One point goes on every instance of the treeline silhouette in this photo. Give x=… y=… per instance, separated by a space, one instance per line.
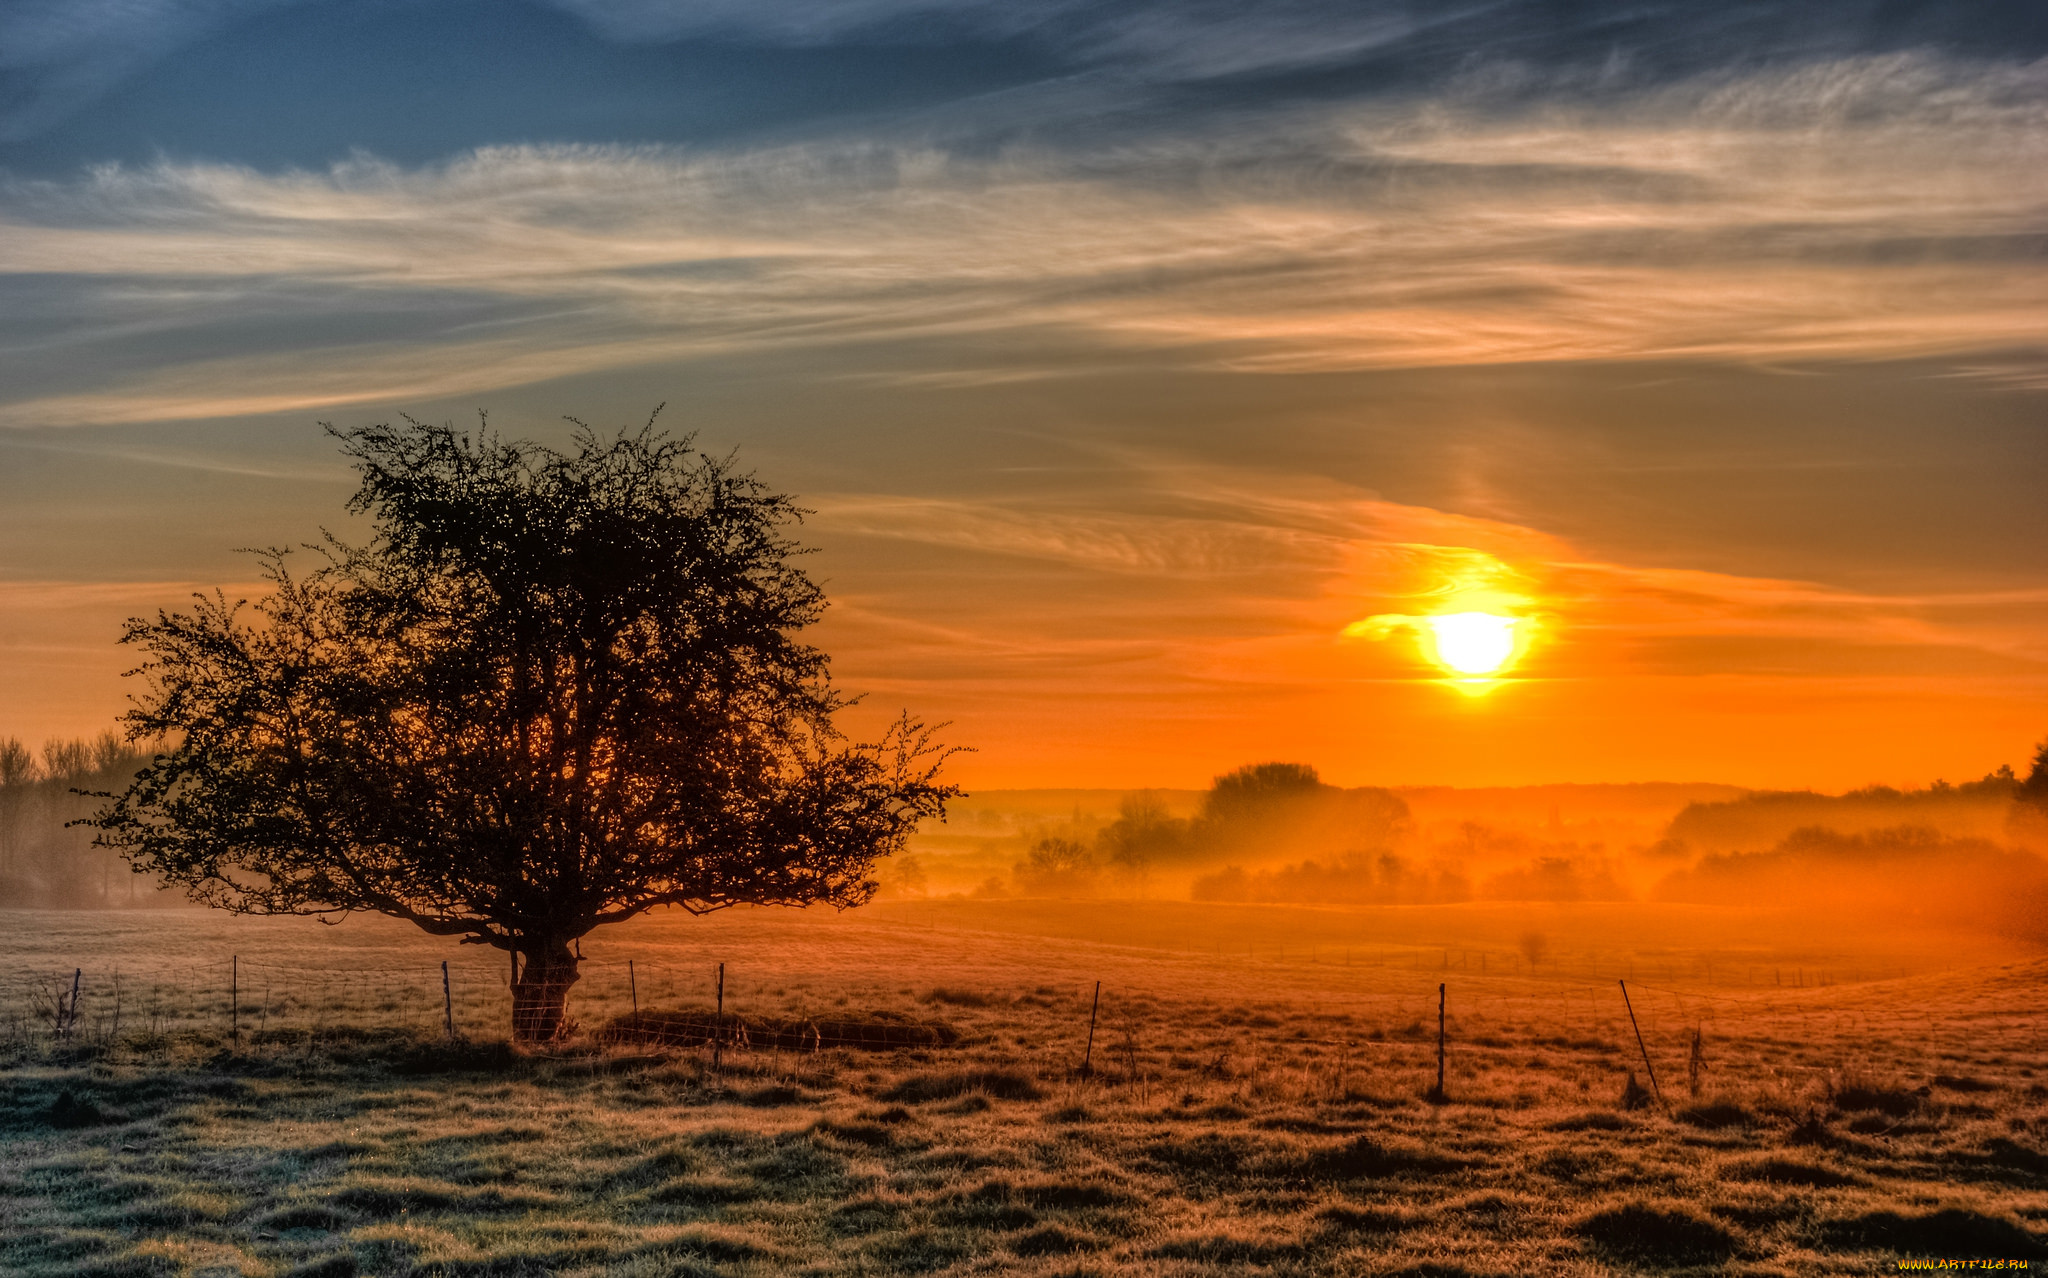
x=46 y=862
x=1982 y=809
x=1273 y=833
x=1902 y=877
x=1253 y=813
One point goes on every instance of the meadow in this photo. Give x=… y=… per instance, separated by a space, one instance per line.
x=1257 y=1097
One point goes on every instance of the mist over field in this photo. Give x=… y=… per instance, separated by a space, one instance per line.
x=1970 y=856
x=1960 y=856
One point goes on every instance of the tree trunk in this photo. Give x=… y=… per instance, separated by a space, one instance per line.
x=541 y=992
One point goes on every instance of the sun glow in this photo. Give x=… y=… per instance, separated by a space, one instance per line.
x=1472 y=644
x=1479 y=616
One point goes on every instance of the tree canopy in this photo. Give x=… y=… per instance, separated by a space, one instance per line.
x=2034 y=789
x=553 y=690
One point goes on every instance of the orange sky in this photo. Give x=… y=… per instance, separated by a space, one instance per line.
x=1146 y=390
x=1184 y=648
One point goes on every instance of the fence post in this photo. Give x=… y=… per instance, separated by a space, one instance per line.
x=718 y=1023
x=1440 y=999
x=633 y=984
x=447 y=1000
x=1640 y=1046
x=1088 y=1057
x=71 y=1019
x=234 y=998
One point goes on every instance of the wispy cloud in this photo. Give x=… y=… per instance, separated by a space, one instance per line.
x=58 y=55
x=1212 y=575
x=1875 y=208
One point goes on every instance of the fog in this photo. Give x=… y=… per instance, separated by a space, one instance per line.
x=46 y=859
x=1951 y=856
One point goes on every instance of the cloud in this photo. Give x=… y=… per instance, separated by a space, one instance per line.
x=1287 y=580
x=58 y=55
x=1873 y=209
x=61 y=55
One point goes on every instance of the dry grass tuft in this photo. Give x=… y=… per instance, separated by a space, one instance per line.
x=1788 y=1171
x=1001 y=1084
x=960 y=998
x=1365 y=1158
x=1657 y=1234
x=1948 y=1232
x=877 y=1032
x=1853 y=1091
x=1715 y=1115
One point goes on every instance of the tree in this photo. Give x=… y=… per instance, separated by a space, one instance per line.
x=552 y=691
x=1258 y=789
x=1055 y=867
x=1141 y=834
x=17 y=775
x=2034 y=789
x=1263 y=809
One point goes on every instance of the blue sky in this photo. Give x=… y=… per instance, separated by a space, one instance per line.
x=1119 y=348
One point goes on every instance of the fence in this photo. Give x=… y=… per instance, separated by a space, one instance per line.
x=1423 y=1012
x=246 y=1001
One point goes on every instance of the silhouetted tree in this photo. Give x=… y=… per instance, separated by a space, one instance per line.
x=2034 y=789
x=44 y=861
x=1142 y=834
x=554 y=690
x=1258 y=789
x=1266 y=809
x=1056 y=867
x=17 y=775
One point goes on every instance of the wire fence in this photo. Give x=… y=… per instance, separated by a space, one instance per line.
x=252 y=1004
x=253 y=1001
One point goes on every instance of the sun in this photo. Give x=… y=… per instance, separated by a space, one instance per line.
x=1473 y=644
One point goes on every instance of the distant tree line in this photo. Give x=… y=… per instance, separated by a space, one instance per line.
x=2000 y=805
x=1903 y=876
x=1273 y=833
x=46 y=862
x=1258 y=811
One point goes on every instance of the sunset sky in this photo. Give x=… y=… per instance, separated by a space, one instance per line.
x=1152 y=368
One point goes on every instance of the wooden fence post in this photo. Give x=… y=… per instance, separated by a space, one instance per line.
x=1088 y=1057
x=718 y=1023
x=633 y=984
x=1640 y=1046
x=1440 y=996
x=235 y=998
x=447 y=1001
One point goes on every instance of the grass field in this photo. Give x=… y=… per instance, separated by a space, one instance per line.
x=1258 y=1099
